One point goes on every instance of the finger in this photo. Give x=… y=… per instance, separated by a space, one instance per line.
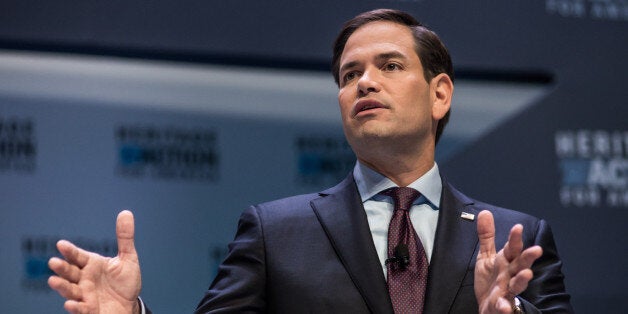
x=73 y=254
x=519 y=282
x=513 y=247
x=125 y=231
x=75 y=307
x=525 y=260
x=503 y=306
x=65 y=288
x=486 y=233
x=65 y=270
x=530 y=255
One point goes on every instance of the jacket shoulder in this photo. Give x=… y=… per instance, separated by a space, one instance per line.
x=299 y=203
x=500 y=214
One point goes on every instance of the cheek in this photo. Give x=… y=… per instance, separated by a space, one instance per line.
x=344 y=103
x=418 y=98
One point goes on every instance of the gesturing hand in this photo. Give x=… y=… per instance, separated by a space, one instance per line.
x=92 y=283
x=500 y=276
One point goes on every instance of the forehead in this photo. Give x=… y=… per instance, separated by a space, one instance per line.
x=379 y=37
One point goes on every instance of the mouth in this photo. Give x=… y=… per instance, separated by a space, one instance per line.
x=367 y=105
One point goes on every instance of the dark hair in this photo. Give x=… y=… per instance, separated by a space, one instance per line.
x=433 y=54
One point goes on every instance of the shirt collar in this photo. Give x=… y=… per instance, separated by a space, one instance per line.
x=371 y=182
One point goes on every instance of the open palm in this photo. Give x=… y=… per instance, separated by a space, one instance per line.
x=501 y=276
x=92 y=283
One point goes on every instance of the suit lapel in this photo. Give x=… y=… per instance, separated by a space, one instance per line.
x=454 y=248
x=342 y=216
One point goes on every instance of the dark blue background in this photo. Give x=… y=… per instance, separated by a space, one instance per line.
x=515 y=165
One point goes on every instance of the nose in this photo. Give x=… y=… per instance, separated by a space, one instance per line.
x=368 y=83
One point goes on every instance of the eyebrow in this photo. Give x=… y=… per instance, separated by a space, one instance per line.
x=390 y=55
x=379 y=57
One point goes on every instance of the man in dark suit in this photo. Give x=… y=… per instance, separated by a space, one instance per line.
x=328 y=252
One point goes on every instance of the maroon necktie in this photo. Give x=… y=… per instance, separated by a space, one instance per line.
x=407 y=279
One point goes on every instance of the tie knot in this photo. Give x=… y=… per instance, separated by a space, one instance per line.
x=402 y=196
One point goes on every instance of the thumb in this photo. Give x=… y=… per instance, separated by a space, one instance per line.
x=125 y=232
x=486 y=233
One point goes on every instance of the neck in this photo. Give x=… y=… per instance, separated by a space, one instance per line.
x=402 y=159
x=402 y=171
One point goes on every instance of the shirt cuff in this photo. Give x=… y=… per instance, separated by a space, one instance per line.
x=516 y=309
x=142 y=307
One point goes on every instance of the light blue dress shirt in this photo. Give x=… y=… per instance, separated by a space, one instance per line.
x=379 y=208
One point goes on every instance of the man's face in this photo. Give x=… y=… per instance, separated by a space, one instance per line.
x=383 y=93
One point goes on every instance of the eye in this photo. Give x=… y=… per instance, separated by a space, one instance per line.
x=349 y=76
x=392 y=67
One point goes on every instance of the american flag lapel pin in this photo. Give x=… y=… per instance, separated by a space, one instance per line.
x=467 y=216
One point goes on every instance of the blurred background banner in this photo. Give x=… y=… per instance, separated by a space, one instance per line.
x=164 y=107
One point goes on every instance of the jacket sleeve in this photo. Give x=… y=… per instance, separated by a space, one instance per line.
x=239 y=286
x=546 y=291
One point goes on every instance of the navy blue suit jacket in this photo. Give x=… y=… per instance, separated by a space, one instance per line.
x=315 y=254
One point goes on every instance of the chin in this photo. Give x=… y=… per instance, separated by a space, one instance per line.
x=376 y=130
x=371 y=136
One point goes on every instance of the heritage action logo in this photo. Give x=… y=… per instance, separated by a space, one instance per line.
x=17 y=144
x=37 y=250
x=594 y=167
x=323 y=160
x=610 y=10
x=167 y=153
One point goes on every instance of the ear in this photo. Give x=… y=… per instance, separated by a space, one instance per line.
x=441 y=92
